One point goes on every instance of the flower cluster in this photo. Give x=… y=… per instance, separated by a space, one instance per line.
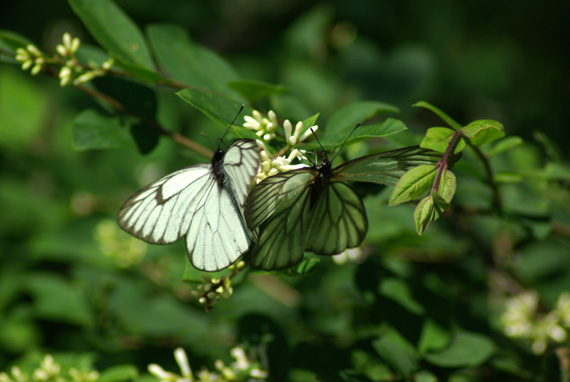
x=266 y=129
x=215 y=288
x=31 y=57
x=125 y=250
x=71 y=71
x=49 y=371
x=523 y=320
x=243 y=369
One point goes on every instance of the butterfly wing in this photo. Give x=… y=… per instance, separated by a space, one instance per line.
x=279 y=207
x=240 y=165
x=159 y=213
x=386 y=167
x=337 y=221
x=189 y=202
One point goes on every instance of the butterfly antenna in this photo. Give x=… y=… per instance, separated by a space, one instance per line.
x=208 y=138
x=229 y=127
x=346 y=140
x=319 y=142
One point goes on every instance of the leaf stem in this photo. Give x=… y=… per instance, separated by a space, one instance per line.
x=442 y=164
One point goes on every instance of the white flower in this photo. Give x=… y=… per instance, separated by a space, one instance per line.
x=242 y=362
x=293 y=140
x=182 y=361
x=518 y=317
x=264 y=127
x=33 y=50
x=69 y=46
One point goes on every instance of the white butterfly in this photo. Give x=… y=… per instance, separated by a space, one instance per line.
x=204 y=202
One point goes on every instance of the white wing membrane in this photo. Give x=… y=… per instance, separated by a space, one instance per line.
x=190 y=202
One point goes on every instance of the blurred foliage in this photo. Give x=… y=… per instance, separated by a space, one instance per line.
x=417 y=309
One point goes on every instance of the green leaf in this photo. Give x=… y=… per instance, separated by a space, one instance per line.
x=447 y=185
x=399 y=291
x=483 y=131
x=465 y=350
x=12 y=41
x=114 y=30
x=92 y=130
x=425 y=376
x=146 y=137
x=504 y=144
x=447 y=119
x=253 y=90
x=428 y=210
x=219 y=108
x=397 y=352
x=119 y=373
x=413 y=184
x=433 y=337
x=137 y=98
x=188 y=62
x=388 y=127
x=439 y=138
x=556 y=171
x=423 y=214
x=345 y=119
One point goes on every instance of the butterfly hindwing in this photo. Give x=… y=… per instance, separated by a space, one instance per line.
x=338 y=220
x=279 y=206
x=193 y=202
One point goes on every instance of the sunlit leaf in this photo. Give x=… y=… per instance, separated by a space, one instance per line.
x=439 y=138
x=483 y=131
x=413 y=184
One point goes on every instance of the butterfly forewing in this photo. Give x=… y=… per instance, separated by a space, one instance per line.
x=192 y=202
x=241 y=162
x=386 y=167
x=155 y=213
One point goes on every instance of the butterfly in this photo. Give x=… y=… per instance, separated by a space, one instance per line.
x=315 y=209
x=204 y=203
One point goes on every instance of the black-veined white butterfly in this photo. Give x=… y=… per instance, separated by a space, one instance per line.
x=314 y=209
x=204 y=203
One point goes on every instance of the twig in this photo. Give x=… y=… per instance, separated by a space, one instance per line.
x=442 y=164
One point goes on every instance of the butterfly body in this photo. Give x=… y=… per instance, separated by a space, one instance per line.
x=203 y=203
